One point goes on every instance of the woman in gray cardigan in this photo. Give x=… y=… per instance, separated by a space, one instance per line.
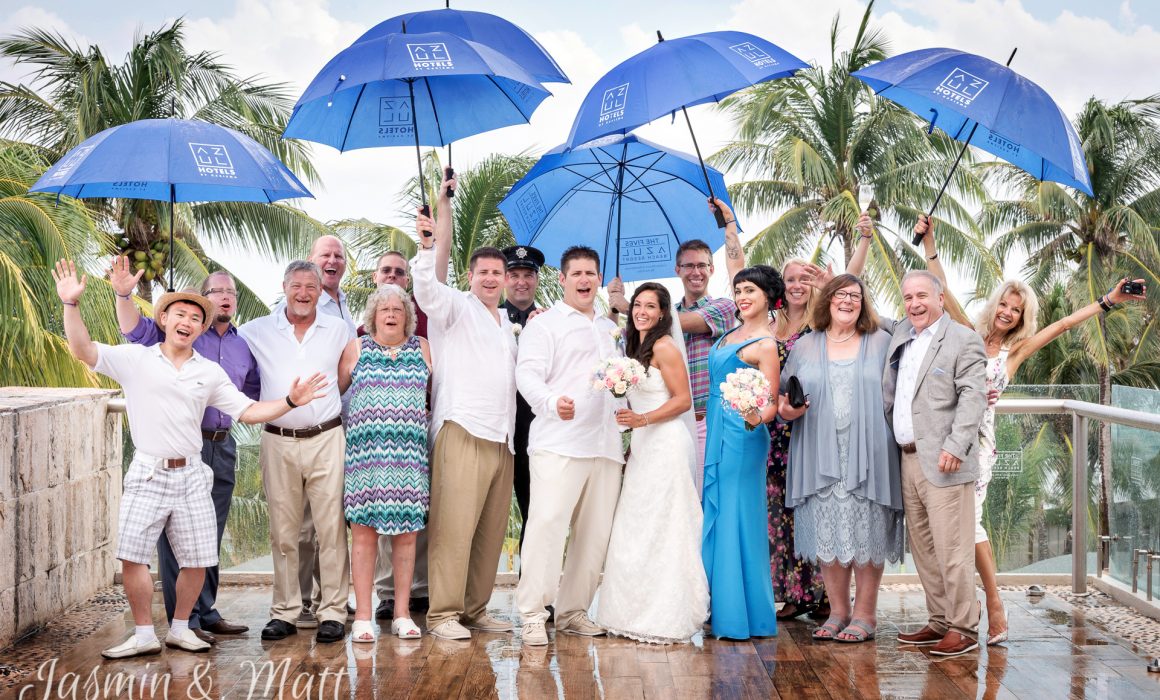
x=844 y=481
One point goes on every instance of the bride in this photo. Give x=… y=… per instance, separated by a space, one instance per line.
x=654 y=587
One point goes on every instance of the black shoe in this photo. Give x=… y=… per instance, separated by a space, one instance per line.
x=420 y=604
x=551 y=614
x=349 y=609
x=386 y=609
x=278 y=629
x=330 y=631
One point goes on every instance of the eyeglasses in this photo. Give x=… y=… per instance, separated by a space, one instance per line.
x=699 y=267
x=222 y=290
x=842 y=295
x=396 y=271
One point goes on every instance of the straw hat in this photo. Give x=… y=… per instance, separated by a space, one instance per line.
x=170 y=298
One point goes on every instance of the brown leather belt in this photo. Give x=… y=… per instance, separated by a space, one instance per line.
x=909 y=448
x=174 y=463
x=215 y=435
x=304 y=432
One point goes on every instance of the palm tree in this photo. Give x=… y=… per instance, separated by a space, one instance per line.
x=74 y=93
x=812 y=140
x=1085 y=244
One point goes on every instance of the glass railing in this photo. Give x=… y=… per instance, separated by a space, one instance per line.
x=1134 y=516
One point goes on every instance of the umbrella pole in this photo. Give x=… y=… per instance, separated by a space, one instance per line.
x=449 y=172
x=418 y=155
x=938 y=198
x=620 y=201
x=717 y=213
x=171 y=206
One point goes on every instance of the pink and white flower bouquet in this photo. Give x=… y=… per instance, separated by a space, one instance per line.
x=746 y=391
x=618 y=375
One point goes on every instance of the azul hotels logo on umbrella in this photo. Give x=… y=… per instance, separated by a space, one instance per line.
x=213 y=159
x=961 y=87
x=69 y=164
x=395 y=115
x=612 y=106
x=750 y=52
x=430 y=56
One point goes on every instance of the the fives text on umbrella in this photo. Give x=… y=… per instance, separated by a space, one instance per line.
x=212 y=159
x=961 y=87
x=612 y=107
x=432 y=56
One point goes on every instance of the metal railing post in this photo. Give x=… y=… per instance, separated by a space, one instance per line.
x=1079 y=490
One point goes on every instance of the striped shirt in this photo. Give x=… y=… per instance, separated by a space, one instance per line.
x=720 y=315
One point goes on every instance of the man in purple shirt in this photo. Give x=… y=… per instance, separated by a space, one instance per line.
x=221 y=344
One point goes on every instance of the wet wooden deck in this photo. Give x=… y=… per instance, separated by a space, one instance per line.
x=1055 y=653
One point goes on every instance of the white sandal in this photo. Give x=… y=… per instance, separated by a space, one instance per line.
x=362 y=631
x=406 y=628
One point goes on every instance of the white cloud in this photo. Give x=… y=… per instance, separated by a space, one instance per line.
x=28 y=17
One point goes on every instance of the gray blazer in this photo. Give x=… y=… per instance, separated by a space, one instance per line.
x=950 y=398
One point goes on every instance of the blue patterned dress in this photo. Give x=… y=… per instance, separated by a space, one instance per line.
x=388 y=481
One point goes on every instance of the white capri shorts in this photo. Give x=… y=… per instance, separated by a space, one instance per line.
x=177 y=501
x=980 y=496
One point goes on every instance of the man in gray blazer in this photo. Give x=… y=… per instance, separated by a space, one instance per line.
x=934 y=386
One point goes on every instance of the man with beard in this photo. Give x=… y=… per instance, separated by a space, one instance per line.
x=523 y=277
x=302 y=453
x=221 y=344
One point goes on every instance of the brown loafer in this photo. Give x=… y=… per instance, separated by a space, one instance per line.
x=224 y=626
x=204 y=636
x=922 y=637
x=954 y=644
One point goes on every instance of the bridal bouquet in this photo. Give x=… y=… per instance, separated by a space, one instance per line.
x=618 y=375
x=746 y=391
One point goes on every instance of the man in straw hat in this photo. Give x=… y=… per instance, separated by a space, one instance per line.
x=167 y=487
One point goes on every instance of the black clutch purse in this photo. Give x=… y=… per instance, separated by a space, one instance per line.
x=793 y=389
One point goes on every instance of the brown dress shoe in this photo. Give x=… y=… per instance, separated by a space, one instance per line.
x=921 y=638
x=954 y=644
x=204 y=636
x=224 y=626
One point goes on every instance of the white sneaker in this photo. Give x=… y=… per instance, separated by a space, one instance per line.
x=450 y=629
x=535 y=634
x=130 y=648
x=487 y=623
x=580 y=625
x=186 y=641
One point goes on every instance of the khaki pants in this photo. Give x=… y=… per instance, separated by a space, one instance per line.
x=566 y=491
x=297 y=471
x=471 y=495
x=940 y=523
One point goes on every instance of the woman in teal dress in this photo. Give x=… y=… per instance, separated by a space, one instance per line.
x=734 y=545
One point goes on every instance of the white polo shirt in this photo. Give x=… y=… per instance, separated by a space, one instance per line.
x=559 y=350
x=282 y=358
x=473 y=358
x=165 y=404
x=908 y=367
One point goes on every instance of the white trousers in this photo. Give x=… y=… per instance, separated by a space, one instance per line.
x=699 y=475
x=580 y=493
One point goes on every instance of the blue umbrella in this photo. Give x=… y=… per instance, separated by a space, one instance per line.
x=982 y=103
x=172 y=160
x=422 y=89
x=676 y=74
x=483 y=28
x=631 y=199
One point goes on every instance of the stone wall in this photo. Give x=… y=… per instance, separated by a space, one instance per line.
x=60 y=487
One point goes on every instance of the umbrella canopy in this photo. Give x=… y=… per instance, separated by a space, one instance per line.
x=392 y=89
x=480 y=27
x=172 y=160
x=986 y=104
x=632 y=200
x=677 y=73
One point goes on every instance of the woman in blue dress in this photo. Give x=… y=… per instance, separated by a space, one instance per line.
x=735 y=548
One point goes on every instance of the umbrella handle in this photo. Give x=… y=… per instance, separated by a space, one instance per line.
x=425 y=210
x=718 y=214
x=448 y=173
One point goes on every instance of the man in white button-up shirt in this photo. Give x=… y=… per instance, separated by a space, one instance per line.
x=472 y=424
x=575 y=453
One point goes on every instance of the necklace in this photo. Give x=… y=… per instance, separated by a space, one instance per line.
x=393 y=350
x=836 y=341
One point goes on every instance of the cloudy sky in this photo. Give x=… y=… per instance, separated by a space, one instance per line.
x=1073 y=48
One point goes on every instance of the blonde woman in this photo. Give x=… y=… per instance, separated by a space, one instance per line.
x=1007 y=325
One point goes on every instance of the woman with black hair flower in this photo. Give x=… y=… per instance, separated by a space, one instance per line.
x=734 y=547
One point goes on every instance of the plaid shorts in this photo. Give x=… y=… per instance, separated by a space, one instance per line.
x=176 y=501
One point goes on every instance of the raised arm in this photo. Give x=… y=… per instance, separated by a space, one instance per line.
x=865 y=229
x=734 y=253
x=70 y=289
x=444 y=229
x=924 y=228
x=431 y=292
x=123 y=281
x=1030 y=346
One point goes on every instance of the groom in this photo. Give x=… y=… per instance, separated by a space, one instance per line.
x=575 y=454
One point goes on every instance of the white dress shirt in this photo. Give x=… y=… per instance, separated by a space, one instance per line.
x=909 y=364
x=165 y=404
x=473 y=358
x=559 y=350
x=282 y=358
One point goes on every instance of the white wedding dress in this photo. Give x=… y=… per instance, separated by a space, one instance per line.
x=654 y=587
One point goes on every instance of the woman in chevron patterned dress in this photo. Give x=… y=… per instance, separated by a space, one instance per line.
x=388 y=482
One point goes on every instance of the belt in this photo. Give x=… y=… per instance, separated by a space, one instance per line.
x=909 y=448
x=174 y=463
x=700 y=417
x=215 y=435
x=304 y=432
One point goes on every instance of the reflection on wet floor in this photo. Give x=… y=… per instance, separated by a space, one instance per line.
x=1055 y=653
